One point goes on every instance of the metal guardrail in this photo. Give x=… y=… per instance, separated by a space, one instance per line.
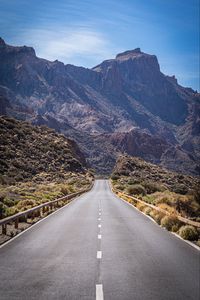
x=182 y=219
x=44 y=207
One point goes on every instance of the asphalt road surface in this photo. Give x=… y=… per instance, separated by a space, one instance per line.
x=98 y=247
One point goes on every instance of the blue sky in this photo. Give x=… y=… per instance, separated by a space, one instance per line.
x=86 y=32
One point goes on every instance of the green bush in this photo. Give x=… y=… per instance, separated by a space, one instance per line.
x=114 y=177
x=8 y=202
x=119 y=187
x=179 y=188
x=2 y=210
x=11 y=211
x=196 y=195
x=188 y=232
x=152 y=187
x=124 y=172
x=136 y=189
x=175 y=228
x=133 y=181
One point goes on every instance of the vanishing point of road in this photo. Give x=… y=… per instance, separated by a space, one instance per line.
x=98 y=247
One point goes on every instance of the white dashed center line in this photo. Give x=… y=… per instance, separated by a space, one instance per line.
x=99 y=254
x=99 y=287
x=99 y=292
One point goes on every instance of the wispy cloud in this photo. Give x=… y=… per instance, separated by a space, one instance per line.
x=68 y=45
x=85 y=32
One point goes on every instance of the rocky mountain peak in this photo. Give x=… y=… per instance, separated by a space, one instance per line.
x=19 y=49
x=2 y=42
x=28 y=50
x=129 y=53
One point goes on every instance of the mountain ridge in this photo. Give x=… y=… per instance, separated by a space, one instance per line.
x=114 y=97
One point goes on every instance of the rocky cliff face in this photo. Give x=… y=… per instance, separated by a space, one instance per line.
x=126 y=103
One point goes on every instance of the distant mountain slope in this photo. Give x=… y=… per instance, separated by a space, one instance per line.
x=27 y=151
x=141 y=172
x=96 y=106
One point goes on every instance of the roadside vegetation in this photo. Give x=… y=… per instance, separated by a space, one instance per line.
x=37 y=165
x=176 y=194
x=25 y=195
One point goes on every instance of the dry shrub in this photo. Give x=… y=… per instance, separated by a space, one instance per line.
x=167 y=207
x=147 y=210
x=136 y=189
x=25 y=204
x=119 y=187
x=140 y=206
x=170 y=222
x=64 y=190
x=157 y=216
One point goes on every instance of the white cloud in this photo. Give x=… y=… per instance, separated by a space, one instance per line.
x=68 y=45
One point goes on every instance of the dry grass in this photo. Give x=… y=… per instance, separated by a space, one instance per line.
x=23 y=196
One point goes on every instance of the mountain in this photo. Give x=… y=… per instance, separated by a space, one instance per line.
x=27 y=151
x=121 y=105
x=152 y=176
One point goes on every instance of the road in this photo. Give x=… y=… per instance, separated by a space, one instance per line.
x=98 y=247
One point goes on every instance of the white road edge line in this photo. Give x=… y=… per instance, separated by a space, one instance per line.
x=59 y=209
x=99 y=225
x=175 y=234
x=99 y=254
x=99 y=236
x=99 y=291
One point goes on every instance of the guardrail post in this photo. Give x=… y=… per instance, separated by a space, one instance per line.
x=16 y=223
x=4 y=229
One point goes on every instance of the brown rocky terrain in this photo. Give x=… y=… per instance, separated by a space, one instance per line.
x=27 y=151
x=124 y=104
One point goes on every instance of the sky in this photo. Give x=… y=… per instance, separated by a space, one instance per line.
x=86 y=32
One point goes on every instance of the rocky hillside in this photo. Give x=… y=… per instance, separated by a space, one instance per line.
x=124 y=103
x=28 y=151
x=174 y=192
x=166 y=196
x=148 y=174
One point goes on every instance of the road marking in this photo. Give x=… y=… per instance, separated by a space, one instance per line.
x=100 y=214
x=99 y=225
x=99 y=291
x=99 y=236
x=99 y=254
x=99 y=219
